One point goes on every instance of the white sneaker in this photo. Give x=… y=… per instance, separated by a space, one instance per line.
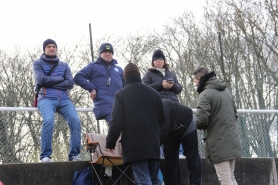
x=182 y=156
x=76 y=158
x=46 y=160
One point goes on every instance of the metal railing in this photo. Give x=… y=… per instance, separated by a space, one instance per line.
x=20 y=134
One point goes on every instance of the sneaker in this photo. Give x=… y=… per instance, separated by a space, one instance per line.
x=182 y=156
x=46 y=160
x=76 y=158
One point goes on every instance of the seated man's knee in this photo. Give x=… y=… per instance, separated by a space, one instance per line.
x=48 y=118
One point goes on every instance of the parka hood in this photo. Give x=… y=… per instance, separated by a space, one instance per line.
x=210 y=81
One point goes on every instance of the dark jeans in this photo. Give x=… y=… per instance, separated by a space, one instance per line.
x=172 y=175
x=146 y=172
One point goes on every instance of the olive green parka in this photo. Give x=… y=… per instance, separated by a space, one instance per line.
x=216 y=115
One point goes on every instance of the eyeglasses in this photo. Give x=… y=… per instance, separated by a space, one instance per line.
x=156 y=59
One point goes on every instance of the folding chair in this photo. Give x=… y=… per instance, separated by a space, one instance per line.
x=95 y=144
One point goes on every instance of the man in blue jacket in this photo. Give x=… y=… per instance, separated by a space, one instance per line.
x=102 y=78
x=53 y=97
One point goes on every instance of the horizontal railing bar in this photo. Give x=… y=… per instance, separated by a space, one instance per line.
x=91 y=109
x=36 y=109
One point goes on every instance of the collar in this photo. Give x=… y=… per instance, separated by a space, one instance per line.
x=204 y=80
x=133 y=79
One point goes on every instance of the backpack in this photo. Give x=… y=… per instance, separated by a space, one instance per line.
x=83 y=177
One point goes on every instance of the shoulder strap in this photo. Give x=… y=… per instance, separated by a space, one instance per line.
x=38 y=87
x=52 y=68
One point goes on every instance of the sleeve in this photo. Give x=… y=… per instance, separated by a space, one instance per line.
x=164 y=129
x=117 y=122
x=68 y=82
x=202 y=112
x=161 y=111
x=42 y=79
x=177 y=88
x=82 y=78
x=122 y=75
x=155 y=85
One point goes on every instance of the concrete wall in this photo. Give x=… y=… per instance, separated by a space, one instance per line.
x=248 y=171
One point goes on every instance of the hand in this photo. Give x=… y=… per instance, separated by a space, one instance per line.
x=93 y=94
x=167 y=85
x=111 y=150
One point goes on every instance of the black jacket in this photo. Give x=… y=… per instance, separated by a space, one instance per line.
x=138 y=113
x=178 y=121
x=154 y=78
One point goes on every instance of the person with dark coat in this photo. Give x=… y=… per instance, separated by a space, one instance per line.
x=216 y=115
x=102 y=79
x=179 y=128
x=137 y=116
x=161 y=78
x=163 y=81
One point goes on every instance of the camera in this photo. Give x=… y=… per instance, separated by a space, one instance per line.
x=169 y=80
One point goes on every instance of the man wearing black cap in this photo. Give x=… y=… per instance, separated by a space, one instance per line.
x=55 y=79
x=102 y=79
x=137 y=114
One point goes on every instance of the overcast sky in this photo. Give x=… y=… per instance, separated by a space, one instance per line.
x=27 y=23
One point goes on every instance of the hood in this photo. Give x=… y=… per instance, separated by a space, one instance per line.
x=210 y=81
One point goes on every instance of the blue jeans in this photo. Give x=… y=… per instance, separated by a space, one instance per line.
x=65 y=107
x=181 y=150
x=146 y=172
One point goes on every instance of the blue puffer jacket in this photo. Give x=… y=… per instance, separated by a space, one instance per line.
x=56 y=85
x=95 y=76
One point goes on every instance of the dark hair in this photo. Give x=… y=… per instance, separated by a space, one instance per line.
x=166 y=66
x=198 y=73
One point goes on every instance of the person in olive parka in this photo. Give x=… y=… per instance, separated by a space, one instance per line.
x=216 y=115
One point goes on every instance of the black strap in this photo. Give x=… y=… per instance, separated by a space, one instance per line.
x=52 y=68
x=38 y=87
